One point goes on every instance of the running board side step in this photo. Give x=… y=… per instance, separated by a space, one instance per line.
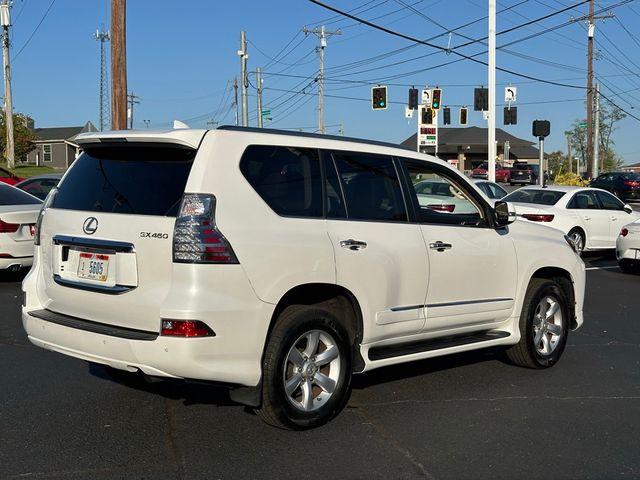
x=409 y=348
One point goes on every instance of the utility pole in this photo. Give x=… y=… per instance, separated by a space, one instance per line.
x=131 y=100
x=103 y=37
x=235 y=96
x=596 y=134
x=259 y=95
x=118 y=65
x=591 y=27
x=8 y=102
x=322 y=35
x=244 y=80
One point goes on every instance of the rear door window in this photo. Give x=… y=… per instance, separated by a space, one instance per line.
x=144 y=180
x=287 y=178
x=371 y=187
x=14 y=196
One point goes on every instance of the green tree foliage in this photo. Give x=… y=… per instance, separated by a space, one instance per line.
x=609 y=160
x=23 y=136
x=557 y=163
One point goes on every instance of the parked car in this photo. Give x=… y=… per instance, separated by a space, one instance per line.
x=591 y=217
x=503 y=172
x=9 y=177
x=628 y=248
x=18 y=215
x=624 y=185
x=491 y=189
x=521 y=173
x=535 y=174
x=280 y=264
x=40 y=185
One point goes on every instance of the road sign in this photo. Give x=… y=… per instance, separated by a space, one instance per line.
x=582 y=124
x=266 y=113
x=510 y=94
x=427 y=132
x=426 y=97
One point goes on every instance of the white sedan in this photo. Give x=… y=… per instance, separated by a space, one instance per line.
x=628 y=248
x=592 y=218
x=18 y=214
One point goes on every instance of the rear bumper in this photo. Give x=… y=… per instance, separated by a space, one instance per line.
x=15 y=262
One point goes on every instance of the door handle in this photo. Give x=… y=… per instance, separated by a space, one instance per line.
x=352 y=244
x=614 y=218
x=439 y=246
x=587 y=217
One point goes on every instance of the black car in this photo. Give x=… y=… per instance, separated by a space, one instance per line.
x=624 y=185
x=521 y=173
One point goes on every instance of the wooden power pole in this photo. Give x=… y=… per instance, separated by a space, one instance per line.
x=118 y=65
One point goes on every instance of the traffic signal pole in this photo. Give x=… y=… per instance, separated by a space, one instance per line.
x=491 y=141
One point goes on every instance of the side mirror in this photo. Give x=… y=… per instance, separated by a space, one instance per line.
x=504 y=213
x=627 y=208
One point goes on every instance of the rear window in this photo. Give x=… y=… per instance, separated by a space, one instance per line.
x=538 y=197
x=521 y=167
x=138 y=180
x=14 y=196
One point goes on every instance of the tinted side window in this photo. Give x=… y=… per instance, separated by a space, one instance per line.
x=147 y=180
x=287 y=178
x=609 y=202
x=371 y=187
x=584 y=200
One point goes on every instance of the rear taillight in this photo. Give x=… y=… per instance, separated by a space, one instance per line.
x=8 y=227
x=47 y=203
x=449 y=207
x=624 y=232
x=185 y=328
x=537 y=217
x=196 y=239
x=632 y=183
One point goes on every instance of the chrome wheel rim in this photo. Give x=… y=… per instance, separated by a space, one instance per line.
x=577 y=240
x=311 y=370
x=547 y=325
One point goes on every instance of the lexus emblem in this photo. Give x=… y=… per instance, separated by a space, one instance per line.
x=90 y=225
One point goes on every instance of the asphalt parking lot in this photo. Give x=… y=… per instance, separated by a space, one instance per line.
x=464 y=416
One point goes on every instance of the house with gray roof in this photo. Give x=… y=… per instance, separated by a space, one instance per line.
x=55 y=147
x=466 y=147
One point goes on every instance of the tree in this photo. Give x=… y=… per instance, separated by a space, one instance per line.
x=23 y=136
x=557 y=163
x=608 y=159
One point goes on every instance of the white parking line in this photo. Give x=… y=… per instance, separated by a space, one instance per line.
x=602 y=268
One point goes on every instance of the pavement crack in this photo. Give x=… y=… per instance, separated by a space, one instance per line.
x=169 y=439
x=496 y=399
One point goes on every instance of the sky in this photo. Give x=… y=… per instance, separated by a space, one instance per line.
x=182 y=60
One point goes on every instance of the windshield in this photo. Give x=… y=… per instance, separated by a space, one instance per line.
x=537 y=196
x=14 y=196
x=142 y=180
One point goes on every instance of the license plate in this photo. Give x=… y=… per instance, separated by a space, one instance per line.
x=93 y=266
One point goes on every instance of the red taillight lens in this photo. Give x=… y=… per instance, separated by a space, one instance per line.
x=185 y=328
x=8 y=227
x=443 y=208
x=624 y=232
x=537 y=217
x=632 y=183
x=196 y=239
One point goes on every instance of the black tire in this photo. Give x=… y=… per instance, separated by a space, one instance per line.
x=629 y=267
x=542 y=341
x=577 y=235
x=319 y=389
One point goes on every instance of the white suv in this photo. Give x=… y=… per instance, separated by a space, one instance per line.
x=279 y=264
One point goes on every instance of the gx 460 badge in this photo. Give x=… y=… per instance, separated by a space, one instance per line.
x=154 y=235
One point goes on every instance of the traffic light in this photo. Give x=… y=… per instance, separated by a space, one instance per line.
x=481 y=99
x=378 y=98
x=510 y=115
x=413 y=98
x=446 y=116
x=427 y=116
x=541 y=128
x=463 y=116
x=436 y=96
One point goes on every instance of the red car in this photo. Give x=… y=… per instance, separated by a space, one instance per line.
x=7 y=177
x=503 y=173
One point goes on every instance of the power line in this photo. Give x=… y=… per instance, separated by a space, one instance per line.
x=35 y=30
